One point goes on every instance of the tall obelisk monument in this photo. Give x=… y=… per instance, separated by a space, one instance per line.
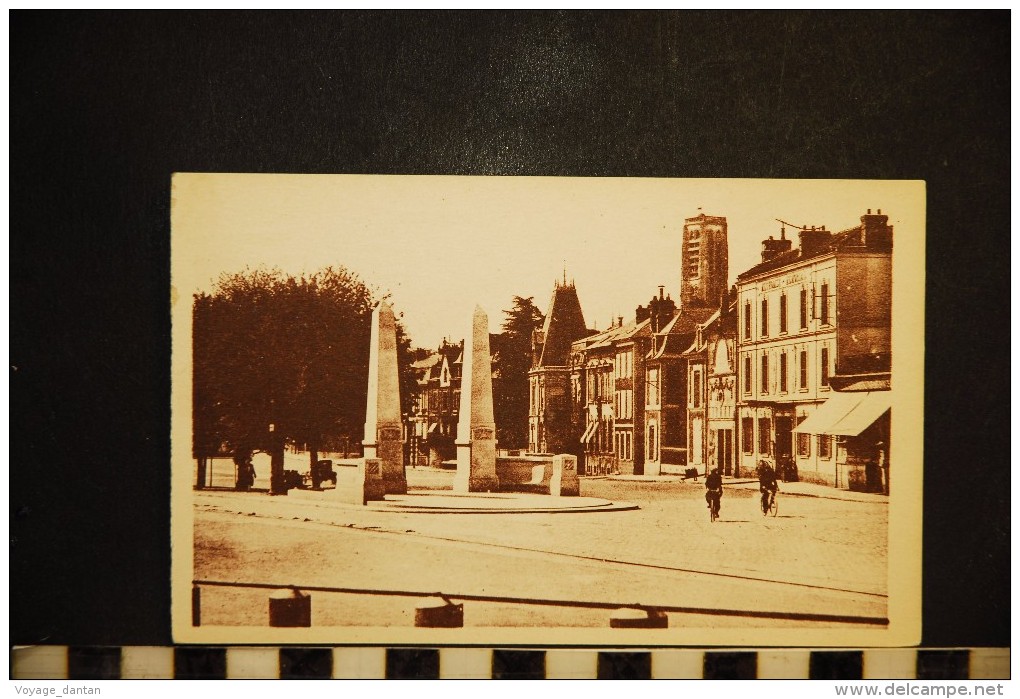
x=476 y=431
x=382 y=414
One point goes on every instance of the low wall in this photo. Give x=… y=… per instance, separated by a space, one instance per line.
x=546 y=474
x=518 y=469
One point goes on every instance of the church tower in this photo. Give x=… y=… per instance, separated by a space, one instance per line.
x=704 y=262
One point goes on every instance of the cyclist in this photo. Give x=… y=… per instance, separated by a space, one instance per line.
x=766 y=484
x=713 y=489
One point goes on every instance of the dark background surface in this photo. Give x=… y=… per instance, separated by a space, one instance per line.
x=105 y=106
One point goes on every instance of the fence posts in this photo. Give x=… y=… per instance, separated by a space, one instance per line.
x=638 y=618
x=290 y=607
x=439 y=612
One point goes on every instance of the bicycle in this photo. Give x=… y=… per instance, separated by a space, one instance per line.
x=769 y=503
x=713 y=509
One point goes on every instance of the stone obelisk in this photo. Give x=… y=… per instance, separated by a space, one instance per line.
x=382 y=415
x=476 y=430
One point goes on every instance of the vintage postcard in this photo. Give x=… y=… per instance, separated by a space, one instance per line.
x=547 y=411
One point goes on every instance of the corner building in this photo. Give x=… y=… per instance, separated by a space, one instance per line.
x=813 y=346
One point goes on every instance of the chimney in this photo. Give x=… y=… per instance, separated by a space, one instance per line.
x=660 y=310
x=876 y=233
x=772 y=248
x=814 y=240
x=641 y=314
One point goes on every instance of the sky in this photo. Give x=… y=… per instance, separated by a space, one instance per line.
x=441 y=245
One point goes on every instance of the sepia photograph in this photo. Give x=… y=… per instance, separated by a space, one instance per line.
x=546 y=410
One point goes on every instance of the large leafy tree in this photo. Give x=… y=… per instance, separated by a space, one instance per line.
x=512 y=363
x=287 y=352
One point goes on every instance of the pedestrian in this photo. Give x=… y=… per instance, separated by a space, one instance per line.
x=767 y=484
x=245 y=470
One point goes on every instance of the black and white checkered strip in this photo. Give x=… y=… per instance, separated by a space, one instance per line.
x=258 y=662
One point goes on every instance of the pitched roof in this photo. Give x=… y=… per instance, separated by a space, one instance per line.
x=564 y=323
x=843 y=240
x=677 y=335
x=615 y=334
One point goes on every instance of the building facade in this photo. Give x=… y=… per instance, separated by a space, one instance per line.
x=711 y=392
x=806 y=316
x=432 y=425
x=607 y=388
x=668 y=367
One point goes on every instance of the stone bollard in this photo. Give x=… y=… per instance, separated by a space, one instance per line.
x=564 y=479
x=358 y=481
x=290 y=607
x=439 y=612
x=638 y=618
x=375 y=483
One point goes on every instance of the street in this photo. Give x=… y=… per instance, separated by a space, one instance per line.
x=820 y=556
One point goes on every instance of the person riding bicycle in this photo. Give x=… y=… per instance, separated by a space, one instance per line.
x=767 y=484
x=713 y=489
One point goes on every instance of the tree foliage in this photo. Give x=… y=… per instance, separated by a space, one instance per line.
x=291 y=352
x=512 y=363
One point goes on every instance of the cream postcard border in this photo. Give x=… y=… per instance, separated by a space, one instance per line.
x=906 y=452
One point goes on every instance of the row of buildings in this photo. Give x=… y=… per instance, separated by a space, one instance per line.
x=790 y=364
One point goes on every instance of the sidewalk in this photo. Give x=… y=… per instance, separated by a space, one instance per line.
x=794 y=488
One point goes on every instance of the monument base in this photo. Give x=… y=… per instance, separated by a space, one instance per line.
x=474 y=474
x=478 y=484
x=390 y=452
x=394 y=485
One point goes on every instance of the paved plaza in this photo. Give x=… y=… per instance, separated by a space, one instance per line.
x=824 y=554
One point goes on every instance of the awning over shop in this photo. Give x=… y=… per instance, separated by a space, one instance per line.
x=589 y=432
x=829 y=413
x=871 y=407
x=846 y=414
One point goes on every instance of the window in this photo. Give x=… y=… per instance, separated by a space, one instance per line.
x=782 y=313
x=747 y=320
x=764 y=373
x=825 y=304
x=824 y=446
x=747 y=434
x=764 y=434
x=803 y=309
x=825 y=366
x=803 y=369
x=696 y=389
x=782 y=372
x=764 y=317
x=651 y=443
x=803 y=444
x=747 y=374
x=653 y=386
x=803 y=441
